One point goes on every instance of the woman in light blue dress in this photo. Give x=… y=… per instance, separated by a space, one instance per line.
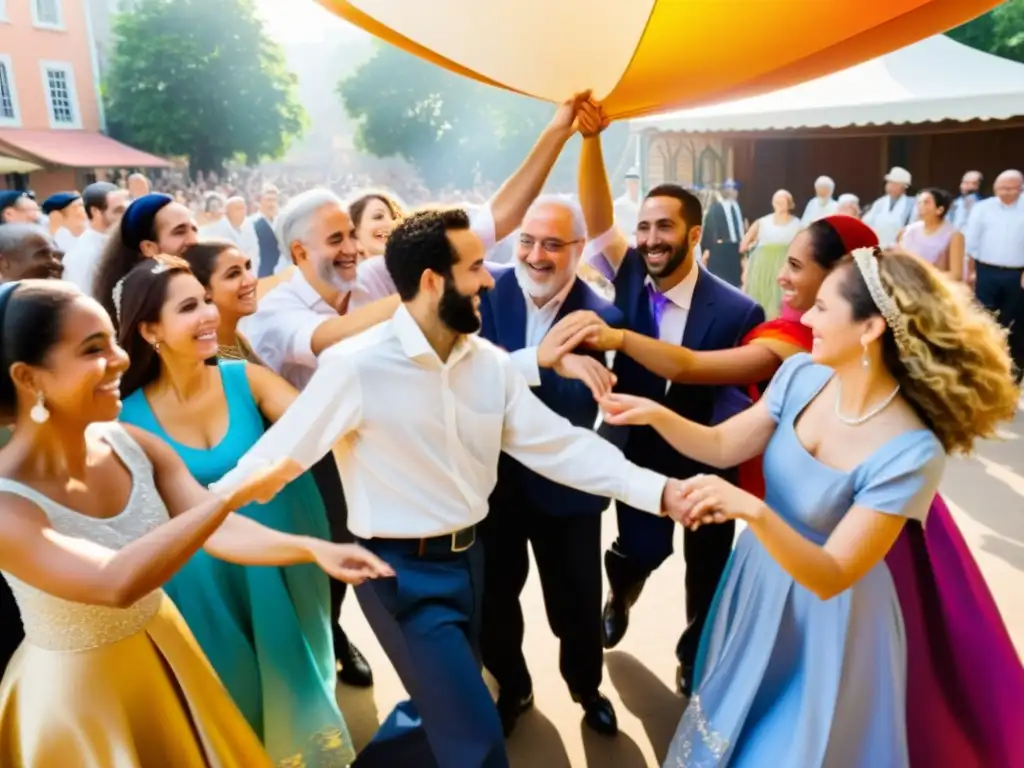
x=803 y=661
x=265 y=630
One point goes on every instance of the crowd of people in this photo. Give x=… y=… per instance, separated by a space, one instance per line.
x=215 y=422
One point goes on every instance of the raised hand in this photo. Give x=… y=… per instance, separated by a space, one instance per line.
x=567 y=113
x=588 y=370
x=567 y=334
x=630 y=410
x=591 y=119
x=707 y=499
x=260 y=487
x=349 y=562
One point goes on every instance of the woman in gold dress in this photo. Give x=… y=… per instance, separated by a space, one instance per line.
x=96 y=517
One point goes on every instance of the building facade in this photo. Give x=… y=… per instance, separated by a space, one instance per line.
x=51 y=117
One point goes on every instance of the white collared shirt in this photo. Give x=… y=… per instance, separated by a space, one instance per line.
x=538 y=322
x=818 y=209
x=995 y=233
x=887 y=218
x=64 y=239
x=422 y=437
x=734 y=218
x=243 y=237
x=281 y=330
x=81 y=261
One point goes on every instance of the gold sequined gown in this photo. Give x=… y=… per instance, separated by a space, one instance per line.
x=97 y=687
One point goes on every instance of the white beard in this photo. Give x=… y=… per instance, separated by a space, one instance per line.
x=539 y=292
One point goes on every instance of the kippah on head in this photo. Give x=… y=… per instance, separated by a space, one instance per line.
x=852 y=231
x=9 y=198
x=137 y=223
x=59 y=201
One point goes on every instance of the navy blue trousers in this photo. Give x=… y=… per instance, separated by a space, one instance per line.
x=427 y=619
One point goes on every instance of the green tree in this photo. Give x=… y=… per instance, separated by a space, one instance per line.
x=454 y=130
x=1000 y=31
x=200 y=78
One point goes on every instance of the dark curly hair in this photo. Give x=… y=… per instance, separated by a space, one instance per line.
x=420 y=243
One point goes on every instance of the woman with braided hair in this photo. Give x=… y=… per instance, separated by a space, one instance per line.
x=839 y=636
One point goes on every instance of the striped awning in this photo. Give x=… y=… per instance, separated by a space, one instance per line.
x=645 y=56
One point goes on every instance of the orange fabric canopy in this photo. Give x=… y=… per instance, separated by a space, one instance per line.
x=647 y=56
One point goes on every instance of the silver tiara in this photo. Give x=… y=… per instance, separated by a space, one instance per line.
x=867 y=263
x=158 y=267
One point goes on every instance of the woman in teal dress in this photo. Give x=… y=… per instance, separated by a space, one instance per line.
x=265 y=630
x=803 y=661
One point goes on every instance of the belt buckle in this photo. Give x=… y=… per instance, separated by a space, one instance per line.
x=455 y=539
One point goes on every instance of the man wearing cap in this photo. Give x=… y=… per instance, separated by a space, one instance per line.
x=822 y=204
x=18 y=207
x=65 y=213
x=104 y=206
x=892 y=211
x=723 y=230
x=627 y=207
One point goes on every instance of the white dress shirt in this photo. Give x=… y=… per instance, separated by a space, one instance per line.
x=64 y=240
x=818 y=209
x=244 y=238
x=734 y=218
x=281 y=330
x=81 y=261
x=995 y=233
x=887 y=218
x=538 y=322
x=422 y=436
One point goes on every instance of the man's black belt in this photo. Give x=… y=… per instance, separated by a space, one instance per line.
x=432 y=546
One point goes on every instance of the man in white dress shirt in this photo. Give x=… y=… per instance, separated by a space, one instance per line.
x=425 y=408
x=65 y=215
x=892 y=211
x=235 y=228
x=822 y=204
x=105 y=204
x=995 y=243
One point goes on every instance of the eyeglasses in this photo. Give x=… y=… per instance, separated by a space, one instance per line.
x=550 y=245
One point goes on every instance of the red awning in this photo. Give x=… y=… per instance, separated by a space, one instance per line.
x=77 y=149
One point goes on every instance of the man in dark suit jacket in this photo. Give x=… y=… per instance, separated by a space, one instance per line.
x=723 y=231
x=263 y=224
x=563 y=525
x=663 y=293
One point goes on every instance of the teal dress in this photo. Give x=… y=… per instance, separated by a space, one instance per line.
x=266 y=630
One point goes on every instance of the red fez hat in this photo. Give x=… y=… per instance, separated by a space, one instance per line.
x=853 y=232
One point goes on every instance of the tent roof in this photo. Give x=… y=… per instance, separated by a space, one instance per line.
x=933 y=80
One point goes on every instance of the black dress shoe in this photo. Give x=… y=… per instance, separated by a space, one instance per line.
x=355 y=669
x=684 y=680
x=614 y=621
x=598 y=713
x=510 y=708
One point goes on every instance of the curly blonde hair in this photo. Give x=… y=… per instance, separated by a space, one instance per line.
x=955 y=368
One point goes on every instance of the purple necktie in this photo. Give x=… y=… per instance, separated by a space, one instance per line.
x=658 y=302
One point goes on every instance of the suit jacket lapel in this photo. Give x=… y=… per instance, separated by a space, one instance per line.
x=574 y=300
x=702 y=313
x=509 y=307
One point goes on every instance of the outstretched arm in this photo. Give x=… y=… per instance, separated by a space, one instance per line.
x=510 y=202
x=607 y=244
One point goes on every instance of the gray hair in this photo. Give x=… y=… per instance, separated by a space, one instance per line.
x=848 y=198
x=579 y=223
x=13 y=236
x=294 y=219
x=236 y=199
x=825 y=181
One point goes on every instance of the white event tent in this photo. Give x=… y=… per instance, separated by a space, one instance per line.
x=934 y=80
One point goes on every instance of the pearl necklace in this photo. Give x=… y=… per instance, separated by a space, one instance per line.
x=856 y=422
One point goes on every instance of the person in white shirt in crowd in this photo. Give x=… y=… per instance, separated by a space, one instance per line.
x=822 y=204
x=995 y=244
x=235 y=227
x=263 y=222
x=848 y=204
x=18 y=207
x=892 y=211
x=212 y=213
x=627 y=205
x=138 y=186
x=970 y=193
x=65 y=214
x=104 y=205
x=427 y=408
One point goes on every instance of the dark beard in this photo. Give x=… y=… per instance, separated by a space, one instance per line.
x=678 y=257
x=456 y=310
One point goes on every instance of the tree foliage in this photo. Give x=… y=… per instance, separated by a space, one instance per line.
x=455 y=131
x=200 y=78
x=1000 y=31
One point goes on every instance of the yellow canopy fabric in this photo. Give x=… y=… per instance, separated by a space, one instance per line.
x=645 y=56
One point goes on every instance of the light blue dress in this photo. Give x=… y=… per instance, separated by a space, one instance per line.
x=265 y=630
x=785 y=678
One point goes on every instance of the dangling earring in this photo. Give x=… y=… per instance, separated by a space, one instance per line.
x=864 y=361
x=39 y=413
x=156 y=347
